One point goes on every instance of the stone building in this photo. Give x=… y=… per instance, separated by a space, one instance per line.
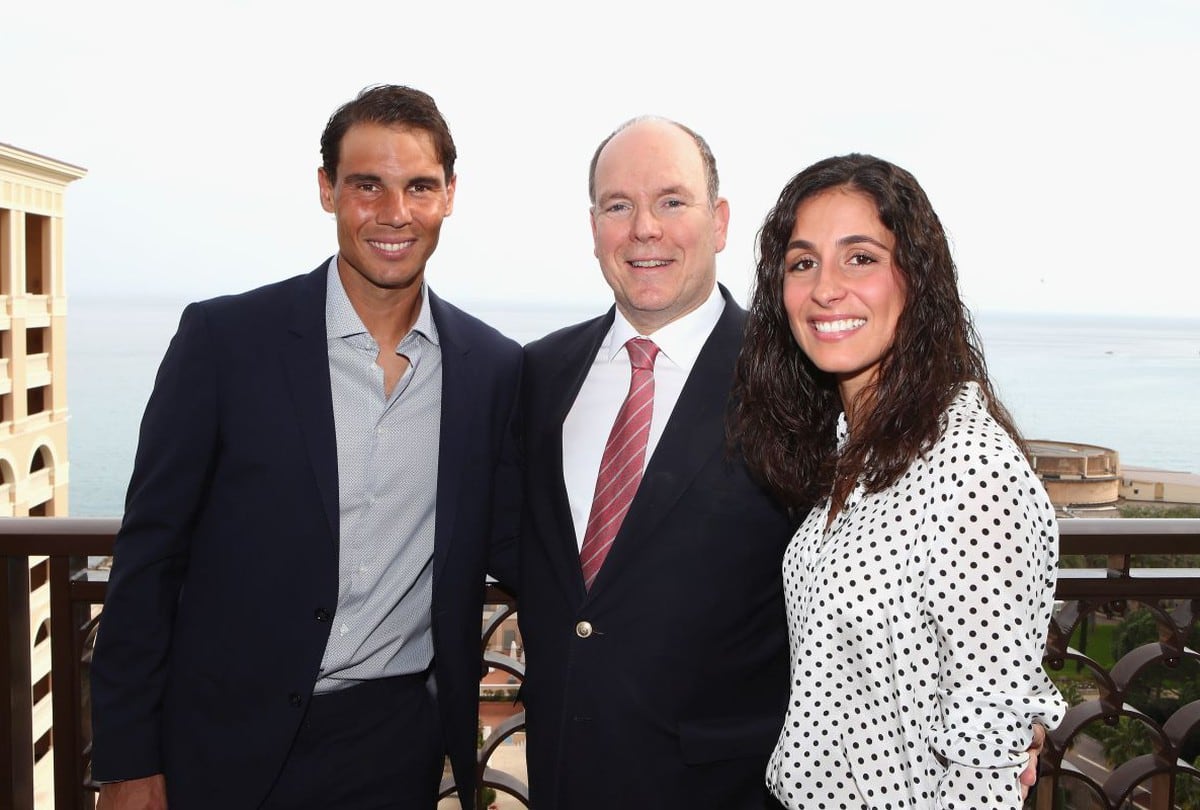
x=33 y=387
x=1082 y=480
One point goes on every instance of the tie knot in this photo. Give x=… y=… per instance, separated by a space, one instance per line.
x=642 y=352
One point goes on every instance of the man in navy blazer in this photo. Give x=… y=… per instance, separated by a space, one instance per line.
x=664 y=684
x=325 y=473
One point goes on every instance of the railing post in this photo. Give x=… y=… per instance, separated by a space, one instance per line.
x=65 y=697
x=1044 y=792
x=16 y=686
x=1162 y=792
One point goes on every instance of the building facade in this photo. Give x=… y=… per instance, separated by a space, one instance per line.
x=33 y=387
x=1081 y=479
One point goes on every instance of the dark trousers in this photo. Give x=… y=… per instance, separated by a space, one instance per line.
x=375 y=745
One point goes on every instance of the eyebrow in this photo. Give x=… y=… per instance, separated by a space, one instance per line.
x=362 y=177
x=852 y=239
x=677 y=191
x=427 y=180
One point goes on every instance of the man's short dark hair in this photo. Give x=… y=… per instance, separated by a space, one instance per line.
x=391 y=105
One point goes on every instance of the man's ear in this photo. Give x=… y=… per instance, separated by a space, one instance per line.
x=450 y=187
x=720 y=223
x=325 y=185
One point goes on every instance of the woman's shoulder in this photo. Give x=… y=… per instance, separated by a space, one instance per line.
x=973 y=446
x=975 y=455
x=968 y=430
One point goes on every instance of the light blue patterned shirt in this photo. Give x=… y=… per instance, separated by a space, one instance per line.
x=387 y=450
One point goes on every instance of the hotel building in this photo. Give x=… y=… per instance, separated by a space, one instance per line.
x=33 y=388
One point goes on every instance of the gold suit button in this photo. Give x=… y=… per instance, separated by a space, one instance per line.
x=583 y=629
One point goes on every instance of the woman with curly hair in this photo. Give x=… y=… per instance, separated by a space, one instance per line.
x=920 y=585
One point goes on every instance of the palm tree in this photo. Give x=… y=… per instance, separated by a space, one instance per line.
x=1122 y=743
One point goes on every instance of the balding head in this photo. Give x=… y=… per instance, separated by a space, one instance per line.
x=655 y=226
x=712 y=182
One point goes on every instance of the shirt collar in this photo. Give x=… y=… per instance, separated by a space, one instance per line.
x=341 y=321
x=680 y=341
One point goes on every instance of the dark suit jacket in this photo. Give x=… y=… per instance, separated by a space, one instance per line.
x=676 y=698
x=226 y=564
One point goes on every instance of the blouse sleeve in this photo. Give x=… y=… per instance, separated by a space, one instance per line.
x=989 y=595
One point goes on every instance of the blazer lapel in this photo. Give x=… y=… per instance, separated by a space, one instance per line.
x=456 y=421
x=559 y=383
x=307 y=369
x=694 y=432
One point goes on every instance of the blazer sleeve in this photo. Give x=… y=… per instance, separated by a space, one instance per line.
x=177 y=448
x=503 y=560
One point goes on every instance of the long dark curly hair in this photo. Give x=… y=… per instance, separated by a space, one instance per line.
x=784 y=414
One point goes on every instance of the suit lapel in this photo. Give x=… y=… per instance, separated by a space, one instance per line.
x=307 y=368
x=456 y=423
x=559 y=383
x=694 y=432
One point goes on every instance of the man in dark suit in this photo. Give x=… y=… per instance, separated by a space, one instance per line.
x=324 y=470
x=657 y=675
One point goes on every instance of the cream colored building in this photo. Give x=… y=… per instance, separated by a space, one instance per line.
x=33 y=386
x=1081 y=479
x=1144 y=485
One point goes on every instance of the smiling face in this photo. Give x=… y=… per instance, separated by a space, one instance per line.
x=389 y=198
x=655 y=232
x=841 y=288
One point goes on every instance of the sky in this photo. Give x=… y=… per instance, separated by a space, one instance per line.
x=1056 y=140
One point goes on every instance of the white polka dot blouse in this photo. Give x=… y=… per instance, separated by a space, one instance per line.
x=917 y=624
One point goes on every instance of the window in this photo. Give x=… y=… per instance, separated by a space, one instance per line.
x=37 y=254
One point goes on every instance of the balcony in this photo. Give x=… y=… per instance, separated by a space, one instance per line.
x=37 y=370
x=1118 y=645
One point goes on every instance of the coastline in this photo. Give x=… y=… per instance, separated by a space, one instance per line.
x=1121 y=383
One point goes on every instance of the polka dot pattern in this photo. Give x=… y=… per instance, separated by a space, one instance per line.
x=917 y=624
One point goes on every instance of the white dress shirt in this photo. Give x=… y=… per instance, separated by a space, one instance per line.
x=586 y=428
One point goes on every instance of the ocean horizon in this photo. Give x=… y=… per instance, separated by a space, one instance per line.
x=1126 y=383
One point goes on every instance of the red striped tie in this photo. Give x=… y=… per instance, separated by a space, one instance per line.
x=623 y=460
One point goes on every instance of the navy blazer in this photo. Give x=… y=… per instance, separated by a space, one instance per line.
x=676 y=697
x=226 y=564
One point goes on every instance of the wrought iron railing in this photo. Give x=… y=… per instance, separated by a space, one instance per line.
x=1147 y=760
x=1153 y=683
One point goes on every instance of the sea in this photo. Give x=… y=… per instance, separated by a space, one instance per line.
x=1126 y=383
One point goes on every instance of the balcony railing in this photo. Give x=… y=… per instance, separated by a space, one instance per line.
x=1154 y=683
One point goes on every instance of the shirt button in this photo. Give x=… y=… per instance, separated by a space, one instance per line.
x=294 y=700
x=583 y=629
x=321 y=615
